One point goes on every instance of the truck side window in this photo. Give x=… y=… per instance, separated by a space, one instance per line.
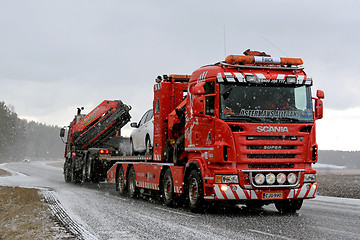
x=209 y=98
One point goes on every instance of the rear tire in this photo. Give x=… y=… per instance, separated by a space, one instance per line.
x=132 y=189
x=120 y=181
x=168 y=189
x=195 y=192
x=288 y=205
x=67 y=171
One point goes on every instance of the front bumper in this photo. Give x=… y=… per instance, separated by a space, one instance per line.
x=235 y=192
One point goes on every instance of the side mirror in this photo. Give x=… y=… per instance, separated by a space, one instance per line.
x=198 y=107
x=199 y=89
x=62 y=132
x=320 y=94
x=318 y=108
x=134 y=125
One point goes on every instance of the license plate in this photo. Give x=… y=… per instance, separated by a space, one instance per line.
x=272 y=195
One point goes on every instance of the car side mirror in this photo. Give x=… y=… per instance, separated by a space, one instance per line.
x=134 y=125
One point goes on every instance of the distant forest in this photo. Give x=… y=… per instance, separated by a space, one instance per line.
x=20 y=138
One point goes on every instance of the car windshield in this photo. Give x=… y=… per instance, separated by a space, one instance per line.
x=248 y=103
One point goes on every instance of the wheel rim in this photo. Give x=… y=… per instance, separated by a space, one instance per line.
x=193 y=191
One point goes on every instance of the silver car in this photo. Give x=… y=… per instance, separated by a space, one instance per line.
x=141 y=138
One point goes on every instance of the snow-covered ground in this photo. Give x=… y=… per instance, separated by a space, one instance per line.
x=99 y=210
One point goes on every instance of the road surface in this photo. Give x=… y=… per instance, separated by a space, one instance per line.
x=104 y=214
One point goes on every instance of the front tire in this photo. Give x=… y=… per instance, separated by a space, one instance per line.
x=288 y=205
x=195 y=192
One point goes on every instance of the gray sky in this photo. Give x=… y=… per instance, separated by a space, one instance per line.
x=58 y=55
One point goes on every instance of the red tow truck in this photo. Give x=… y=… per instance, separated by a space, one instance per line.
x=239 y=131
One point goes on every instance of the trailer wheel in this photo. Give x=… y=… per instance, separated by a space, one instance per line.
x=288 y=205
x=168 y=189
x=84 y=177
x=74 y=175
x=195 y=192
x=67 y=175
x=120 y=181
x=132 y=189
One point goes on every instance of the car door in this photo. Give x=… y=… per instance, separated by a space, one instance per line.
x=138 y=135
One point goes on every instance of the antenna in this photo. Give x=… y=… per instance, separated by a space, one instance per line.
x=274 y=46
x=224 y=42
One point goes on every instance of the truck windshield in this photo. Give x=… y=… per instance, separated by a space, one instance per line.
x=246 y=103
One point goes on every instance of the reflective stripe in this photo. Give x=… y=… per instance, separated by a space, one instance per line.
x=312 y=191
x=218 y=193
x=253 y=195
x=291 y=194
x=260 y=75
x=302 y=191
x=240 y=192
x=229 y=193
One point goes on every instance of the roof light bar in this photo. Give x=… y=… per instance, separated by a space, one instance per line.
x=240 y=59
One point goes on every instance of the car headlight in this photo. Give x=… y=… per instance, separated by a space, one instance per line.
x=310 y=177
x=270 y=178
x=226 y=179
x=291 y=178
x=259 y=179
x=281 y=178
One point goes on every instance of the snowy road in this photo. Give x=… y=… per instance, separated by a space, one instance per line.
x=99 y=209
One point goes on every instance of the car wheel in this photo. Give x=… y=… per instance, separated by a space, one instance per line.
x=148 y=147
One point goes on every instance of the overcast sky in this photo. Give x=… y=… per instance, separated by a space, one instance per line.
x=59 y=55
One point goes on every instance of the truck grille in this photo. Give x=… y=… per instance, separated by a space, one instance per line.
x=272 y=147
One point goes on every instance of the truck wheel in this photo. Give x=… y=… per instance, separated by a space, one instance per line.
x=132 y=189
x=120 y=181
x=84 y=175
x=288 y=205
x=73 y=174
x=195 y=192
x=67 y=171
x=168 y=189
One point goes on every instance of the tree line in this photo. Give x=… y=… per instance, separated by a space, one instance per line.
x=21 y=139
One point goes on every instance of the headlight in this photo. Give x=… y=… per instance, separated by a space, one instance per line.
x=259 y=179
x=310 y=177
x=270 y=178
x=291 y=178
x=281 y=178
x=251 y=78
x=226 y=179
